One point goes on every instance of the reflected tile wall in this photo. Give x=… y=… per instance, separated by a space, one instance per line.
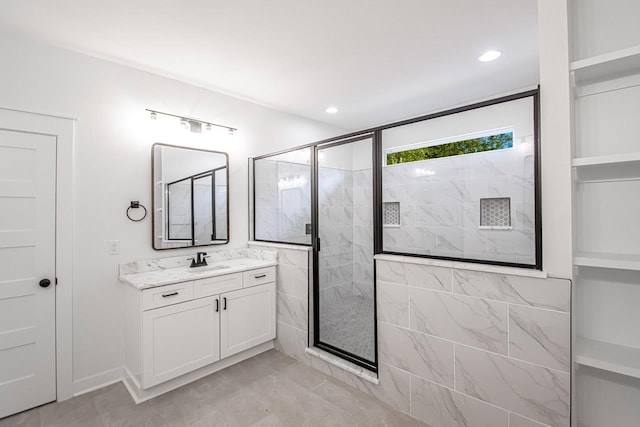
x=282 y=201
x=440 y=213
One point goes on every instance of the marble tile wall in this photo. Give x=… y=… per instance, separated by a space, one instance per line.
x=335 y=229
x=283 y=205
x=457 y=348
x=440 y=205
x=362 y=250
x=479 y=347
x=292 y=298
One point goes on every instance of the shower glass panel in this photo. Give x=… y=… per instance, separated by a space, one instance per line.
x=220 y=204
x=345 y=293
x=202 y=209
x=282 y=197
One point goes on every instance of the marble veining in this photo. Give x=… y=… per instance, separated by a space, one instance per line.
x=164 y=271
x=540 y=336
x=442 y=407
x=428 y=357
x=533 y=391
x=548 y=293
x=471 y=321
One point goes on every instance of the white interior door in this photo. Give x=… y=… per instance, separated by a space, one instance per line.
x=27 y=257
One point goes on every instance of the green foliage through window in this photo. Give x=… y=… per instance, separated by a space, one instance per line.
x=474 y=145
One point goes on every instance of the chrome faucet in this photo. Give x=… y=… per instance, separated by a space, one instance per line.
x=200 y=260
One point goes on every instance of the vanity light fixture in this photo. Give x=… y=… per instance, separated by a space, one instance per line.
x=191 y=124
x=331 y=110
x=489 y=55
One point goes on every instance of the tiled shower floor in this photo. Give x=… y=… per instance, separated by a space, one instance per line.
x=349 y=324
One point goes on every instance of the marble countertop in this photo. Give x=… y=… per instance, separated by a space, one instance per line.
x=167 y=276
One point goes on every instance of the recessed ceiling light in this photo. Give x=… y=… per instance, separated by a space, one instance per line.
x=331 y=110
x=490 y=55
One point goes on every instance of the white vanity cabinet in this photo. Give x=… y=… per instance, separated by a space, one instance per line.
x=176 y=329
x=179 y=338
x=248 y=318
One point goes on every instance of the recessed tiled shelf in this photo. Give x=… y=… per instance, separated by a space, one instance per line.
x=391 y=214
x=607 y=260
x=609 y=357
x=495 y=213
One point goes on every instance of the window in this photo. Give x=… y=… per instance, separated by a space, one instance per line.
x=428 y=151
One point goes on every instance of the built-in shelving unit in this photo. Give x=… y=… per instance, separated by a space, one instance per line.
x=607 y=66
x=606 y=77
x=609 y=357
x=609 y=160
x=607 y=260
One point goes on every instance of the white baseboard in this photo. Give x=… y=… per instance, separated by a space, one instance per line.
x=139 y=395
x=94 y=382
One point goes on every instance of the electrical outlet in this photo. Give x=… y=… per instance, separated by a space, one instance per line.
x=114 y=247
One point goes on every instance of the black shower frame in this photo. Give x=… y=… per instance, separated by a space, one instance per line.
x=191 y=179
x=376 y=134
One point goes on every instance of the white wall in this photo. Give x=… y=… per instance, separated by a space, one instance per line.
x=113 y=166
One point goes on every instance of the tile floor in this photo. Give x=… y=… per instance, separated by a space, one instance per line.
x=270 y=389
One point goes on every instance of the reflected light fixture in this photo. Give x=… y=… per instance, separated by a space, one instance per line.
x=489 y=55
x=331 y=110
x=191 y=124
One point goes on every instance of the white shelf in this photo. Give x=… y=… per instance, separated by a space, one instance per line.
x=607 y=66
x=607 y=260
x=613 y=159
x=609 y=357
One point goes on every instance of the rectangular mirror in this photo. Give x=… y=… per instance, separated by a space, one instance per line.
x=190 y=197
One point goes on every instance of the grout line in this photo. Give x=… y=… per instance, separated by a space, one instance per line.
x=482 y=298
x=475 y=348
x=509 y=330
x=454 y=366
x=463 y=393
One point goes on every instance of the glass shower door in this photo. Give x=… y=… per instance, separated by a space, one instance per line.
x=344 y=291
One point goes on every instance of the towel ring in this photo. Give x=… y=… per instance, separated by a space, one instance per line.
x=136 y=205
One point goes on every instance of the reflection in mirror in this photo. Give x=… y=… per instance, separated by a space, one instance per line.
x=190 y=197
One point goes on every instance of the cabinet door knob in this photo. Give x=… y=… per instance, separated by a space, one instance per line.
x=260 y=276
x=217 y=305
x=44 y=283
x=169 y=295
x=224 y=307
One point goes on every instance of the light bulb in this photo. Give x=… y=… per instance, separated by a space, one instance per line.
x=490 y=55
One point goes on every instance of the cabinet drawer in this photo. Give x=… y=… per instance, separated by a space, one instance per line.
x=217 y=285
x=166 y=295
x=260 y=276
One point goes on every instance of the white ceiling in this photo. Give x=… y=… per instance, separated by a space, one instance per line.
x=378 y=61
